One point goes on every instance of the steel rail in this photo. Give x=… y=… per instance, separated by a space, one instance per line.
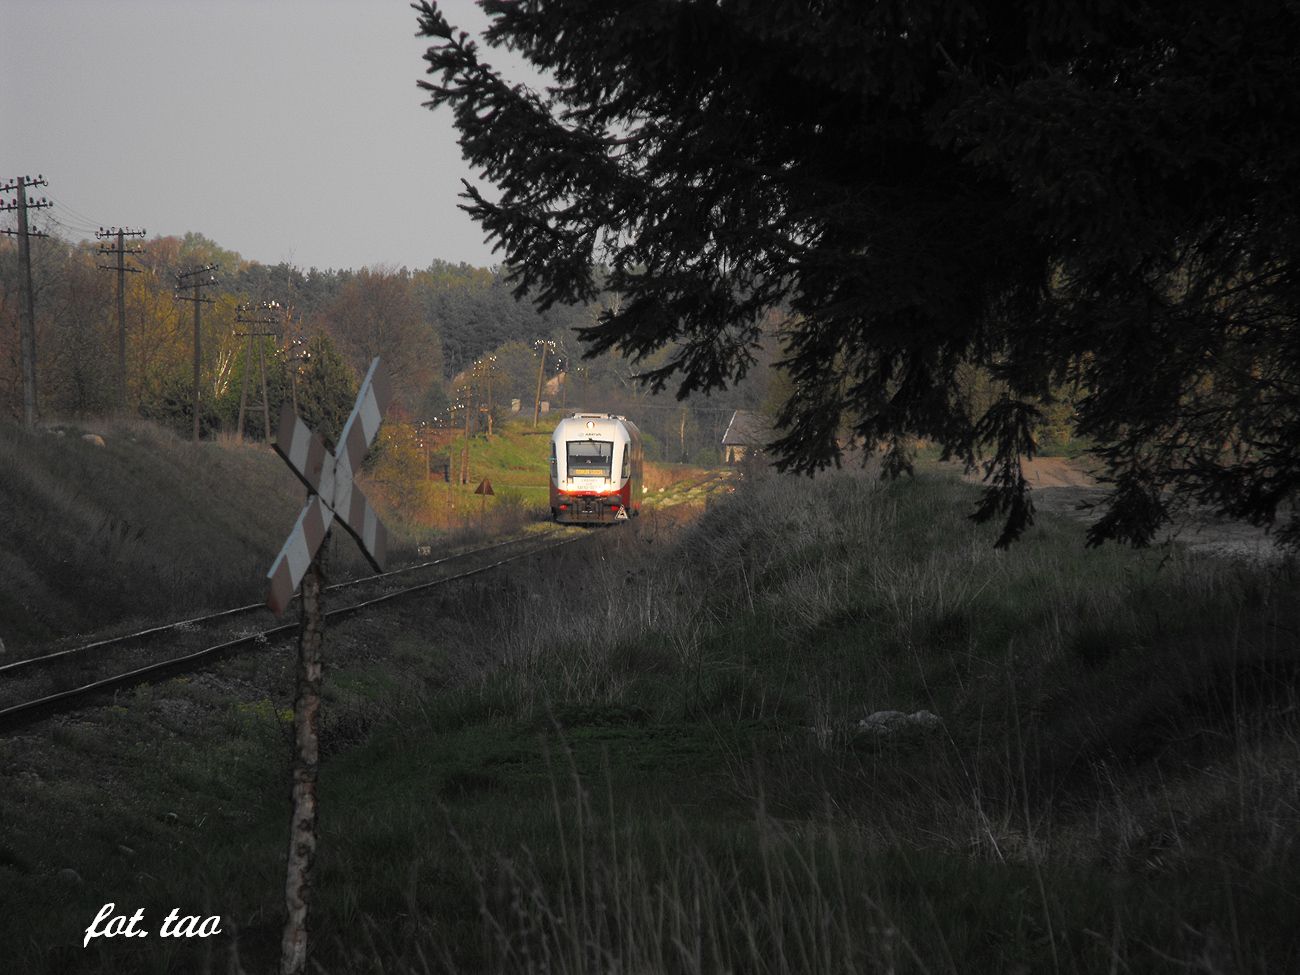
x=18 y=715
x=238 y=610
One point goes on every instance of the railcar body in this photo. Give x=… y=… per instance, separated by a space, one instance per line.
x=596 y=464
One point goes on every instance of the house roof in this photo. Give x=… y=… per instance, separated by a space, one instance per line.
x=747 y=429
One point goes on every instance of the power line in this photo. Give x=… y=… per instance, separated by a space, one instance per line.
x=24 y=234
x=77 y=214
x=69 y=220
x=71 y=229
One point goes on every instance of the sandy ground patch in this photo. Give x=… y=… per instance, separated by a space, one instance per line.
x=1066 y=487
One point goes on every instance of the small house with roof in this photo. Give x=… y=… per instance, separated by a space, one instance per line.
x=747 y=433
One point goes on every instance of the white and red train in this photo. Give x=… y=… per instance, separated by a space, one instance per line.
x=596 y=462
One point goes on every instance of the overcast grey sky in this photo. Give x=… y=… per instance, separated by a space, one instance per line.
x=286 y=130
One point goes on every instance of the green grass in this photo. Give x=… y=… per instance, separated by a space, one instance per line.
x=516 y=459
x=657 y=764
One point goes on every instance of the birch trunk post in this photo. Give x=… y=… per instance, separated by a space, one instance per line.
x=306 y=763
x=332 y=497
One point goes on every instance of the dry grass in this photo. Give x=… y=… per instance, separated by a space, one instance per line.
x=646 y=755
x=1087 y=734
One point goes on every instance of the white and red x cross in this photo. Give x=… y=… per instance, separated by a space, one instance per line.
x=330 y=479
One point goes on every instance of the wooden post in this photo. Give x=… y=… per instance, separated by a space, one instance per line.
x=198 y=302
x=266 y=400
x=306 y=763
x=121 y=320
x=27 y=340
x=243 y=391
x=537 y=400
x=464 y=460
x=333 y=497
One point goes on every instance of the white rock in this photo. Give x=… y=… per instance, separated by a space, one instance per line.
x=882 y=723
x=882 y=719
x=93 y=438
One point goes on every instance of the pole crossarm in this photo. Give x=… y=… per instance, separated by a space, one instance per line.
x=24 y=182
x=23 y=203
x=182 y=277
x=242 y=313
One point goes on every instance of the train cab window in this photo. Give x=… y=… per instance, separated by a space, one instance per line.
x=552 y=460
x=589 y=458
x=627 y=461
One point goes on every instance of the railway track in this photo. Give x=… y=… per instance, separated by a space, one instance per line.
x=39 y=686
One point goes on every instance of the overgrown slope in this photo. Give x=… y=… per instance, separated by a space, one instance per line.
x=144 y=526
x=664 y=752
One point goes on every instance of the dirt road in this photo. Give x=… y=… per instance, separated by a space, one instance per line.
x=1065 y=487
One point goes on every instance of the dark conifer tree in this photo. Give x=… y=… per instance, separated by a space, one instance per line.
x=1056 y=191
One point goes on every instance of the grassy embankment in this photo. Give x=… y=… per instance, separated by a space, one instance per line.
x=149 y=526
x=145 y=526
x=662 y=768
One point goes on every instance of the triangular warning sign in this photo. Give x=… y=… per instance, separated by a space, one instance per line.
x=484 y=488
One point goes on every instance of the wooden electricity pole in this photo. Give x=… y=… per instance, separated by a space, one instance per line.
x=251 y=335
x=541 y=345
x=464 y=457
x=200 y=277
x=24 y=234
x=121 y=233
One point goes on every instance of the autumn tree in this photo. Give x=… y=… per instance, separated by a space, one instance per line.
x=376 y=314
x=1061 y=193
x=80 y=350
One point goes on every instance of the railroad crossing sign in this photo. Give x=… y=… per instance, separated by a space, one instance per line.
x=329 y=478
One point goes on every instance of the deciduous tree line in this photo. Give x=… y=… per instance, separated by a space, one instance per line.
x=427 y=324
x=454 y=337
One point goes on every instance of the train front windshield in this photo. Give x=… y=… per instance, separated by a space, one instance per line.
x=589 y=458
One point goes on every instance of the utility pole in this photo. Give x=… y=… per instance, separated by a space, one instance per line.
x=295 y=354
x=120 y=267
x=464 y=457
x=481 y=373
x=541 y=345
x=24 y=234
x=251 y=334
x=449 y=425
x=199 y=277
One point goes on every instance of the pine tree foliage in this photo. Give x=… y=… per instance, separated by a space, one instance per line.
x=1060 y=192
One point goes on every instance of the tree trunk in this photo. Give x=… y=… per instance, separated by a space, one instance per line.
x=302 y=827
